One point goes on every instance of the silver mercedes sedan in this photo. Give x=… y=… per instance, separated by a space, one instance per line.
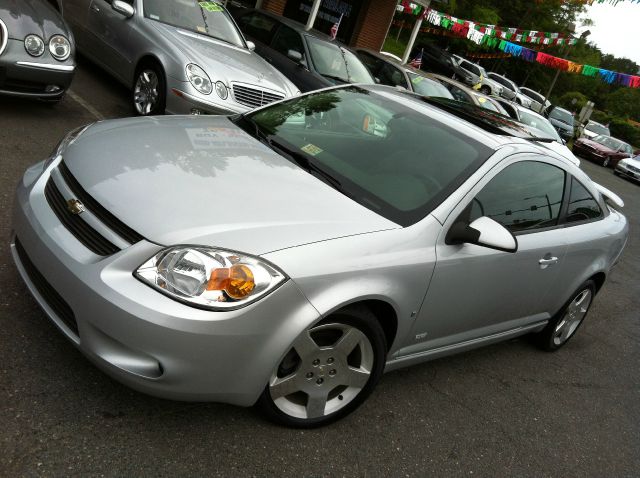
x=178 y=56
x=289 y=256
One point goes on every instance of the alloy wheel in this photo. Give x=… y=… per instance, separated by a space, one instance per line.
x=573 y=316
x=146 y=92
x=326 y=369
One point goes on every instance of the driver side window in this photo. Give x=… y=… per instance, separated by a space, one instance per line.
x=522 y=197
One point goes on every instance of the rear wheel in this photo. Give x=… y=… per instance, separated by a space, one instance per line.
x=149 y=90
x=565 y=324
x=329 y=371
x=485 y=90
x=606 y=161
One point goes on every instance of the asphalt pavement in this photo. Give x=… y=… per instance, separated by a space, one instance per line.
x=504 y=410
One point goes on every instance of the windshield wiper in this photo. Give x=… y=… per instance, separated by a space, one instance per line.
x=334 y=77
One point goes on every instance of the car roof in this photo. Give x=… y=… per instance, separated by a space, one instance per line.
x=297 y=26
x=446 y=79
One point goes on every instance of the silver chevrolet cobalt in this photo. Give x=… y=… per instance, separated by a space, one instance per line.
x=289 y=256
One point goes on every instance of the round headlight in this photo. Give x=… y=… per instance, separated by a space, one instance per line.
x=59 y=47
x=199 y=79
x=34 y=45
x=221 y=89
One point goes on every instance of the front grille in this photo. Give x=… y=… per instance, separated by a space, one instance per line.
x=108 y=219
x=254 y=97
x=54 y=300
x=88 y=236
x=634 y=169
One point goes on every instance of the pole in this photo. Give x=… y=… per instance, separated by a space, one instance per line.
x=312 y=14
x=414 y=33
x=555 y=78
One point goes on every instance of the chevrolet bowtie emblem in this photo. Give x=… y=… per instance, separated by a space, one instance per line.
x=75 y=207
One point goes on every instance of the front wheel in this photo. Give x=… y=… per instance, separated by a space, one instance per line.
x=329 y=371
x=565 y=323
x=485 y=90
x=149 y=91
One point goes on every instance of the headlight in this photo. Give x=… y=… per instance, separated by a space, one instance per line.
x=34 y=45
x=221 y=89
x=59 y=47
x=199 y=79
x=65 y=143
x=209 y=278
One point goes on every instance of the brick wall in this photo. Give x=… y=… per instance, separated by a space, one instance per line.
x=274 y=6
x=375 y=19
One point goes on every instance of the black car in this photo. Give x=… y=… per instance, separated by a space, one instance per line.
x=36 y=50
x=562 y=120
x=311 y=60
x=437 y=60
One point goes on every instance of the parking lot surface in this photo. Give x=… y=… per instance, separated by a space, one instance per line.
x=504 y=410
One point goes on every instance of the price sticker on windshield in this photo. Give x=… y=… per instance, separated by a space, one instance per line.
x=210 y=6
x=311 y=149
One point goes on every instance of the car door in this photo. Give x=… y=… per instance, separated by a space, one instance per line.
x=76 y=14
x=112 y=32
x=287 y=39
x=476 y=291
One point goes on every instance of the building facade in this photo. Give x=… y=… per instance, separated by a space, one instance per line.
x=363 y=23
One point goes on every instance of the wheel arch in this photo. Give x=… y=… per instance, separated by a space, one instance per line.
x=598 y=278
x=383 y=311
x=147 y=58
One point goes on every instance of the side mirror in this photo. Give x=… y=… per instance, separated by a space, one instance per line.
x=294 y=55
x=250 y=45
x=123 y=8
x=484 y=232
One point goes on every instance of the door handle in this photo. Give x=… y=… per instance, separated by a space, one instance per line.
x=547 y=261
x=95 y=8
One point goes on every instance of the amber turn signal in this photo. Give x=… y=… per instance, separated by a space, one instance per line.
x=237 y=281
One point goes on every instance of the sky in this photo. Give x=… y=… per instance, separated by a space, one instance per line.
x=616 y=28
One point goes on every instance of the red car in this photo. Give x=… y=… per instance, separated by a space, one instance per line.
x=602 y=149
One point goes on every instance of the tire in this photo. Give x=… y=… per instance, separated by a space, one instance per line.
x=606 y=161
x=149 y=95
x=485 y=90
x=329 y=371
x=566 y=322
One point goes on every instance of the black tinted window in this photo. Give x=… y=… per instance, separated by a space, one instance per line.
x=582 y=205
x=287 y=39
x=524 y=196
x=259 y=27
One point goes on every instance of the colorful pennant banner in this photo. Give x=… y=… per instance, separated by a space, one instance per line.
x=610 y=77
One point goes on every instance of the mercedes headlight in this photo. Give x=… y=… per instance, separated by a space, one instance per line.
x=199 y=79
x=221 y=89
x=210 y=278
x=34 y=45
x=59 y=47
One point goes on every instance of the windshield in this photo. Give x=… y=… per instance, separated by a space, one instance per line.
x=598 y=128
x=337 y=63
x=381 y=150
x=488 y=104
x=540 y=123
x=205 y=18
x=426 y=87
x=562 y=115
x=609 y=142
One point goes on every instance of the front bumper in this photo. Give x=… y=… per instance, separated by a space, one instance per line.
x=27 y=77
x=626 y=171
x=138 y=336
x=587 y=153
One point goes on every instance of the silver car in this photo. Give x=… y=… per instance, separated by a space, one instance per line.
x=182 y=56
x=289 y=256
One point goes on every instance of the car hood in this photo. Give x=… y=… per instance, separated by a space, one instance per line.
x=27 y=17
x=561 y=124
x=203 y=180
x=597 y=146
x=226 y=62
